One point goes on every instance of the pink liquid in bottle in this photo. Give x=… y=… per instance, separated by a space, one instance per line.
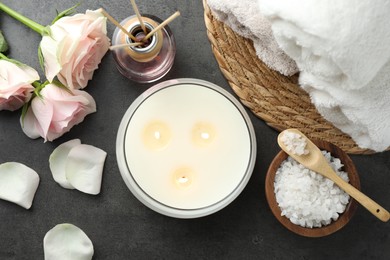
x=150 y=61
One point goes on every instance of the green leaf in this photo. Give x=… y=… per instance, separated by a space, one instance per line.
x=18 y=63
x=38 y=87
x=41 y=58
x=25 y=108
x=60 y=85
x=67 y=12
x=3 y=43
x=46 y=31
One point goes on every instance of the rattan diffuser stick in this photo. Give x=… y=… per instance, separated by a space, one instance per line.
x=161 y=25
x=118 y=46
x=117 y=24
x=139 y=60
x=150 y=34
x=135 y=8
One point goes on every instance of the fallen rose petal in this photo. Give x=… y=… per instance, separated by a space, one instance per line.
x=18 y=183
x=67 y=242
x=84 y=168
x=57 y=162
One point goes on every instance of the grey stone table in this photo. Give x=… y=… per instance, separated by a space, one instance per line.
x=119 y=226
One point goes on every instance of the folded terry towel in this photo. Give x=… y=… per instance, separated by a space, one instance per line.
x=244 y=17
x=342 y=50
x=335 y=42
x=362 y=113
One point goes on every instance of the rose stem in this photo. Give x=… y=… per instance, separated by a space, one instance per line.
x=23 y=19
x=117 y=24
x=135 y=8
x=161 y=25
x=113 y=47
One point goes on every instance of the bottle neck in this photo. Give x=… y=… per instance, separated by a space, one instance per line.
x=150 y=48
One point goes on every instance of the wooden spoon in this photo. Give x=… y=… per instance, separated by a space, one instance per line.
x=316 y=161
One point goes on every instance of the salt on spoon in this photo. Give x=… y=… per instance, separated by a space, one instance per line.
x=315 y=161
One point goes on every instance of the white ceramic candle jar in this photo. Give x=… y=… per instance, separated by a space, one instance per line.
x=186 y=148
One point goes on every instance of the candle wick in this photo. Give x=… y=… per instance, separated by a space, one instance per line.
x=183 y=179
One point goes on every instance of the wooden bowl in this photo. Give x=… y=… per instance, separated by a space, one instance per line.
x=334 y=225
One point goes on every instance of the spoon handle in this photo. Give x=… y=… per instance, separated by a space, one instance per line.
x=376 y=209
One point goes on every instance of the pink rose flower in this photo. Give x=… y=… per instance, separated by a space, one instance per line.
x=15 y=84
x=56 y=111
x=75 y=47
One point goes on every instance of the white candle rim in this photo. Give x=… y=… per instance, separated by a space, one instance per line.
x=145 y=198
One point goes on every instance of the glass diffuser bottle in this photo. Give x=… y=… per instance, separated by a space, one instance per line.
x=153 y=58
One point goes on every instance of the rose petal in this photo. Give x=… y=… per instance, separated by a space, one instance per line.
x=30 y=125
x=49 y=49
x=43 y=111
x=57 y=162
x=67 y=242
x=15 y=84
x=18 y=183
x=84 y=168
x=14 y=74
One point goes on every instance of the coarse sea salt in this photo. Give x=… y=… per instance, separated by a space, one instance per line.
x=307 y=198
x=294 y=142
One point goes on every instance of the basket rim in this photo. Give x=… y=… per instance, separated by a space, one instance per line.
x=276 y=99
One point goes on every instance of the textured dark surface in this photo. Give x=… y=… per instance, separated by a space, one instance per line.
x=119 y=226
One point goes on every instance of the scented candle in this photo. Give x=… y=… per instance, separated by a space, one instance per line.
x=186 y=148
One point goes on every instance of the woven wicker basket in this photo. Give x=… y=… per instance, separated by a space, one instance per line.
x=276 y=99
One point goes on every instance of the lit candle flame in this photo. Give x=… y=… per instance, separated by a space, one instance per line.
x=183 y=177
x=156 y=135
x=203 y=133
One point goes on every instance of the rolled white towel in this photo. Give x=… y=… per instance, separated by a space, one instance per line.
x=245 y=18
x=364 y=113
x=343 y=43
x=342 y=50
